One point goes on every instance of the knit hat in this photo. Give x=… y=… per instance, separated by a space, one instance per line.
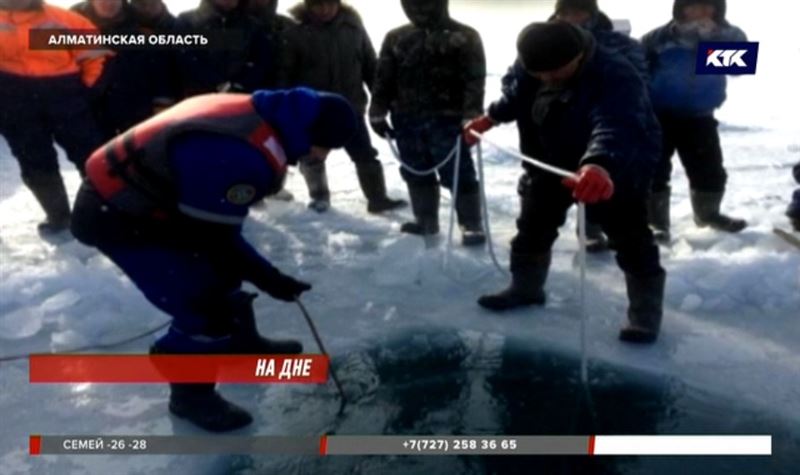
x=335 y=124
x=582 y=5
x=719 y=5
x=549 y=46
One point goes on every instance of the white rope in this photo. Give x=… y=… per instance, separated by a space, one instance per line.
x=415 y=171
x=453 y=203
x=582 y=292
x=581 y=246
x=527 y=159
x=485 y=205
x=455 y=154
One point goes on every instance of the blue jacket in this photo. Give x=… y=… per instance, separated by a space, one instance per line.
x=675 y=88
x=603 y=116
x=206 y=166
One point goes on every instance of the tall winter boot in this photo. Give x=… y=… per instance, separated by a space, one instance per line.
x=596 y=240
x=204 y=407
x=51 y=194
x=793 y=211
x=373 y=184
x=706 y=206
x=425 y=205
x=246 y=339
x=528 y=276
x=645 y=310
x=317 y=180
x=468 y=209
x=658 y=205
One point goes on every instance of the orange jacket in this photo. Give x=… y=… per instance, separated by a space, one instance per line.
x=18 y=59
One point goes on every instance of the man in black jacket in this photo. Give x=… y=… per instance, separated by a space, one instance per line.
x=135 y=83
x=431 y=78
x=329 y=50
x=591 y=114
x=241 y=66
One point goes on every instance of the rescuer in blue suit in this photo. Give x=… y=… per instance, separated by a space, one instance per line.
x=166 y=201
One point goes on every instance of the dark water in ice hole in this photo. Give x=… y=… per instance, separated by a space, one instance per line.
x=444 y=382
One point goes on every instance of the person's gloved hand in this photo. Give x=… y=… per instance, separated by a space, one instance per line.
x=283 y=287
x=480 y=125
x=381 y=127
x=592 y=185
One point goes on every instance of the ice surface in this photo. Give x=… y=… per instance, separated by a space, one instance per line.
x=731 y=323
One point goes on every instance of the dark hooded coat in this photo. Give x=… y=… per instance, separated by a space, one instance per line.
x=433 y=66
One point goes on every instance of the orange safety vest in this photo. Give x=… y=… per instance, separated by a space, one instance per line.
x=18 y=59
x=132 y=171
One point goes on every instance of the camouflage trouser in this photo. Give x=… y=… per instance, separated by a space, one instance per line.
x=424 y=143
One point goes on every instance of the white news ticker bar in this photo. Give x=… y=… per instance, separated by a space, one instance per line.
x=683 y=445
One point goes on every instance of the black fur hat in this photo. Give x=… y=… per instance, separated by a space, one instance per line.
x=719 y=5
x=582 y=5
x=549 y=46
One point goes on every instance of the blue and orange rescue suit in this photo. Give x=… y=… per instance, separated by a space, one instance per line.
x=166 y=202
x=44 y=96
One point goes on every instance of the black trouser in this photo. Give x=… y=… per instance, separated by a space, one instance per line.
x=36 y=111
x=696 y=139
x=544 y=205
x=360 y=149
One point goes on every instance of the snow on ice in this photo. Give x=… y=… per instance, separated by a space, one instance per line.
x=731 y=324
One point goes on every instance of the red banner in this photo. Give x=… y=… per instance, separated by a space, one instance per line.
x=251 y=369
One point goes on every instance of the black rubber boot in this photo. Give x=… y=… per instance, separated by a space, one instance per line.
x=314 y=173
x=373 y=184
x=425 y=204
x=204 y=407
x=658 y=210
x=596 y=240
x=528 y=275
x=645 y=311
x=245 y=338
x=706 y=206
x=468 y=209
x=52 y=196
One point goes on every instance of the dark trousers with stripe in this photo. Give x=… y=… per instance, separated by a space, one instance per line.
x=185 y=275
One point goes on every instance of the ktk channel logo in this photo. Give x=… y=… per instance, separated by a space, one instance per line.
x=727 y=58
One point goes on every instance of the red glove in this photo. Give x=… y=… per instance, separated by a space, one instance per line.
x=480 y=124
x=591 y=185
